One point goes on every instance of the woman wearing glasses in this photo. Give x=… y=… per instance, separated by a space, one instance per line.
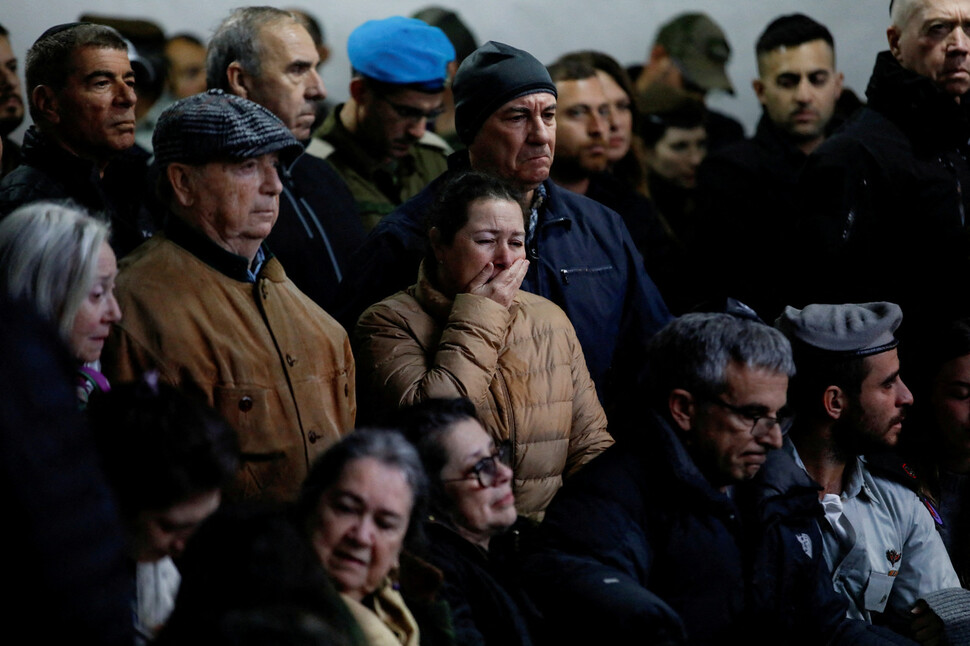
x=466 y=330
x=472 y=512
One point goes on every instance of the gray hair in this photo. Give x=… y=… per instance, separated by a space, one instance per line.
x=50 y=59
x=49 y=256
x=389 y=447
x=237 y=40
x=693 y=353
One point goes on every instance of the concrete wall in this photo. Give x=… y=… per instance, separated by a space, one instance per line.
x=547 y=28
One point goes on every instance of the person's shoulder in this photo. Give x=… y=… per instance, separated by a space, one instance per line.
x=26 y=184
x=400 y=304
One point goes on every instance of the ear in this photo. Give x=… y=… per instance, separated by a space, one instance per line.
x=180 y=178
x=892 y=35
x=835 y=401
x=839 y=80
x=759 y=90
x=358 y=90
x=434 y=235
x=45 y=100
x=239 y=79
x=324 y=53
x=657 y=54
x=681 y=405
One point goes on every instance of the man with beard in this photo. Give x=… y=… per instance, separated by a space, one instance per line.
x=885 y=555
x=378 y=140
x=583 y=124
x=266 y=55
x=11 y=103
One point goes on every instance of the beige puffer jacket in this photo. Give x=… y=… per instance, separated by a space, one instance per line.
x=522 y=367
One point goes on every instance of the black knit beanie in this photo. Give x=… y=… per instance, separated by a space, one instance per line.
x=491 y=76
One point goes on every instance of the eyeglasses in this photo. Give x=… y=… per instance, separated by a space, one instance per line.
x=486 y=469
x=761 y=425
x=411 y=114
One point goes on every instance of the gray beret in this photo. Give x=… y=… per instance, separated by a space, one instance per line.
x=215 y=125
x=857 y=329
x=490 y=77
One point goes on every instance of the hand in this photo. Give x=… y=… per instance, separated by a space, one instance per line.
x=500 y=288
x=927 y=627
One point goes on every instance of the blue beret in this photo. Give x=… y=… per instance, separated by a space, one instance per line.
x=402 y=51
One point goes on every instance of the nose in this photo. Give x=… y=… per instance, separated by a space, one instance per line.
x=126 y=94
x=613 y=119
x=772 y=439
x=177 y=546
x=503 y=256
x=540 y=132
x=362 y=531
x=803 y=92
x=8 y=78
x=696 y=156
x=113 y=313
x=958 y=41
x=598 y=124
x=416 y=129
x=315 y=88
x=903 y=396
x=271 y=184
x=503 y=473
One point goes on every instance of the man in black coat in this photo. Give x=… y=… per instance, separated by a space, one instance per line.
x=748 y=191
x=696 y=530
x=267 y=56
x=886 y=198
x=81 y=89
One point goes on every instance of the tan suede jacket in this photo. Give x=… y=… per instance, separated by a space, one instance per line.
x=522 y=367
x=274 y=364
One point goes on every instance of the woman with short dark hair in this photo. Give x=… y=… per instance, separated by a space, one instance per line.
x=469 y=530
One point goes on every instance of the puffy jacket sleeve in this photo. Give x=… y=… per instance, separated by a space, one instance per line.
x=588 y=436
x=404 y=357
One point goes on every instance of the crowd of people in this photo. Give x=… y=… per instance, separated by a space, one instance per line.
x=493 y=352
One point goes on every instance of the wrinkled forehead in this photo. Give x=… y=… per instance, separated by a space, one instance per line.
x=908 y=14
x=533 y=101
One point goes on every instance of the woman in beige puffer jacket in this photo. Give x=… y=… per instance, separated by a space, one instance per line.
x=466 y=330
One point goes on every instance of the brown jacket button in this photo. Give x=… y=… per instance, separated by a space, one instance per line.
x=246 y=404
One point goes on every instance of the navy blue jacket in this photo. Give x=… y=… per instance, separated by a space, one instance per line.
x=582 y=259
x=317 y=230
x=639 y=543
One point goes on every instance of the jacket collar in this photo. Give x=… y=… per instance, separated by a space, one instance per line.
x=916 y=105
x=774 y=139
x=41 y=151
x=350 y=149
x=225 y=262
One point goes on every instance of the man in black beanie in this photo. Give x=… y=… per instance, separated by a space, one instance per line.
x=581 y=255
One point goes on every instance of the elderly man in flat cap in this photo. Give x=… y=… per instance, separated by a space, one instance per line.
x=378 y=140
x=580 y=253
x=880 y=540
x=210 y=308
x=266 y=55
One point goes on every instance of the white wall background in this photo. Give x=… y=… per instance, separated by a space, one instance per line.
x=547 y=28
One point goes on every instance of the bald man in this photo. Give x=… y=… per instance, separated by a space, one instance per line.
x=888 y=192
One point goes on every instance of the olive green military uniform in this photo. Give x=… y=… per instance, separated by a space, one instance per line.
x=378 y=188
